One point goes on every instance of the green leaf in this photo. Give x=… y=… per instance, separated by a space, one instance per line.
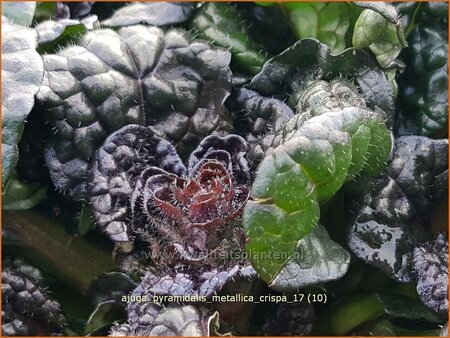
x=400 y=306
x=221 y=24
x=105 y=314
x=329 y=22
x=44 y=11
x=332 y=141
x=151 y=13
x=18 y=195
x=317 y=259
x=22 y=72
x=387 y=11
x=20 y=13
x=373 y=31
x=53 y=35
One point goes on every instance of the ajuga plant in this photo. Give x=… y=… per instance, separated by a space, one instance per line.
x=225 y=150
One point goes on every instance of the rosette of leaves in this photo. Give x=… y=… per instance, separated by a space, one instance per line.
x=333 y=138
x=423 y=87
x=430 y=261
x=143 y=195
x=389 y=220
x=137 y=75
x=179 y=223
x=27 y=307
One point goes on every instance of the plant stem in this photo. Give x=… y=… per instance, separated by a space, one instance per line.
x=45 y=244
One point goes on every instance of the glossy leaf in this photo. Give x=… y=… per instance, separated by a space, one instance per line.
x=151 y=13
x=317 y=259
x=22 y=72
x=389 y=219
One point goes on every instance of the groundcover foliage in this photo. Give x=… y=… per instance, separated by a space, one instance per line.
x=202 y=169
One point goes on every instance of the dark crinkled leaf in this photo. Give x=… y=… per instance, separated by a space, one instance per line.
x=255 y=115
x=430 y=263
x=20 y=13
x=147 y=318
x=22 y=72
x=138 y=75
x=388 y=221
x=104 y=315
x=28 y=308
x=317 y=259
x=195 y=282
x=400 y=306
x=423 y=87
x=115 y=168
x=151 y=13
x=374 y=32
x=221 y=24
x=328 y=22
x=281 y=74
x=334 y=139
x=19 y=195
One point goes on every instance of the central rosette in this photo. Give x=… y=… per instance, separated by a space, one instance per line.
x=190 y=217
x=164 y=211
x=206 y=200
